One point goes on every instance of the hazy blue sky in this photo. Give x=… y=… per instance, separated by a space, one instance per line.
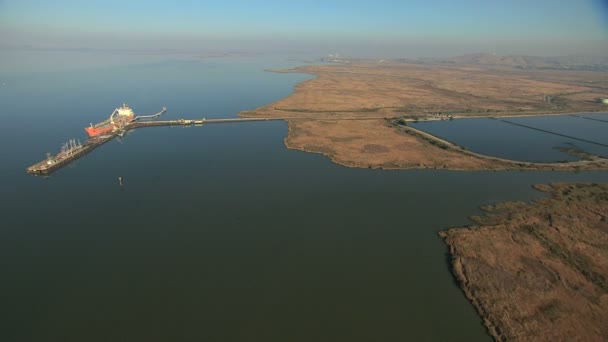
x=408 y=28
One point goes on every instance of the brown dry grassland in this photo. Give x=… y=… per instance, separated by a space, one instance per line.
x=534 y=271
x=320 y=110
x=539 y=271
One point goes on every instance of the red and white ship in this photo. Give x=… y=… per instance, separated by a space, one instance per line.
x=118 y=121
x=119 y=118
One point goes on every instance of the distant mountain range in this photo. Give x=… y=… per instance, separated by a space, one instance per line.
x=525 y=62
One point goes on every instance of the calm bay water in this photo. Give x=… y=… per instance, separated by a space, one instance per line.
x=501 y=139
x=220 y=233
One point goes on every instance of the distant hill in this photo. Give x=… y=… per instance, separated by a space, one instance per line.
x=526 y=62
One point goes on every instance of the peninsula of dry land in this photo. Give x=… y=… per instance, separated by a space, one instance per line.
x=534 y=271
x=539 y=271
x=356 y=113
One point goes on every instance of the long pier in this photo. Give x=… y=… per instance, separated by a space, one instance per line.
x=183 y=122
x=54 y=163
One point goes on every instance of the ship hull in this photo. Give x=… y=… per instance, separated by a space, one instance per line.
x=95 y=131
x=108 y=126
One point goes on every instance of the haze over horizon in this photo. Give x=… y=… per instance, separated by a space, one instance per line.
x=354 y=28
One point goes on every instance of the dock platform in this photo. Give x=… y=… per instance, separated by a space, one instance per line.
x=54 y=163
x=64 y=158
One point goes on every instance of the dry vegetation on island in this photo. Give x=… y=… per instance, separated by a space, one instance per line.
x=341 y=112
x=391 y=89
x=539 y=271
x=535 y=271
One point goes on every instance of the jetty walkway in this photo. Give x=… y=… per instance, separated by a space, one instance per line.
x=56 y=162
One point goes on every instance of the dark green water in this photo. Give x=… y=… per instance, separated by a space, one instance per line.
x=220 y=233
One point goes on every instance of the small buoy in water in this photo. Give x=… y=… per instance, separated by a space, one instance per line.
x=120 y=181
